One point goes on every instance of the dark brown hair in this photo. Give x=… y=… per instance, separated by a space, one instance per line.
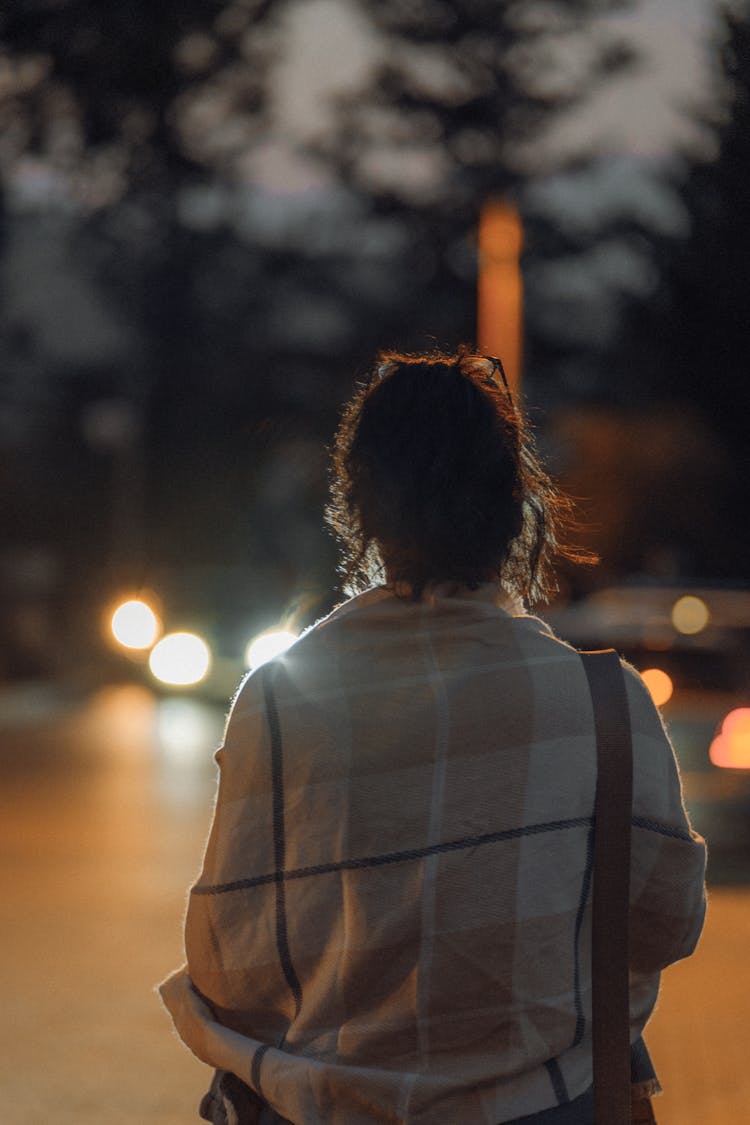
x=435 y=479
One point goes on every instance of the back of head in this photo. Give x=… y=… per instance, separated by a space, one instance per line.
x=435 y=479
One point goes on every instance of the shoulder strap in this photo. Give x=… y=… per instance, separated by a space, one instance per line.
x=609 y=957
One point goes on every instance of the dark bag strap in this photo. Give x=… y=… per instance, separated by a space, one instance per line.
x=609 y=956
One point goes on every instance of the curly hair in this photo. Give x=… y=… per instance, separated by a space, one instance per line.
x=434 y=478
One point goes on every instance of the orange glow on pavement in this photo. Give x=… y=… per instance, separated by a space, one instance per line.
x=731 y=747
x=659 y=685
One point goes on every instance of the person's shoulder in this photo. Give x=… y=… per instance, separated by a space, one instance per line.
x=325 y=634
x=543 y=636
x=354 y=608
x=312 y=656
x=535 y=630
x=643 y=710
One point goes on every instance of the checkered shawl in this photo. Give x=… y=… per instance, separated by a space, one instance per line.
x=393 y=919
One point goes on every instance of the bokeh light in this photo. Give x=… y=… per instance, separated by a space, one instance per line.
x=268 y=645
x=180 y=659
x=690 y=615
x=187 y=731
x=731 y=747
x=135 y=625
x=659 y=685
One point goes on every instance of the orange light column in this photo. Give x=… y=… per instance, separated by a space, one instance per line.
x=500 y=288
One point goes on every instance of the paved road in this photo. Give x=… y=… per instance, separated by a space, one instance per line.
x=103 y=811
x=104 y=807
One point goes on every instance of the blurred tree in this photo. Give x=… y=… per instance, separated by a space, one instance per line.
x=87 y=85
x=144 y=129
x=597 y=232
x=111 y=118
x=708 y=279
x=455 y=112
x=464 y=90
x=689 y=339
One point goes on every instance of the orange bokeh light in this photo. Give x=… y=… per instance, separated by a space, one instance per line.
x=731 y=747
x=659 y=685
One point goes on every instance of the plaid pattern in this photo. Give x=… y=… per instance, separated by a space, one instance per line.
x=393 y=919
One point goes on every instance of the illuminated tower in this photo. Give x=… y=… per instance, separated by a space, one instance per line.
x=500 y=287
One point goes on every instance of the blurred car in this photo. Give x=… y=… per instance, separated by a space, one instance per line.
x=692 y=644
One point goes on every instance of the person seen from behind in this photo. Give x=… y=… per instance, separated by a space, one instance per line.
x=393 y=920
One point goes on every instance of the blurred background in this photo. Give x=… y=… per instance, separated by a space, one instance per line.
x=212 y=215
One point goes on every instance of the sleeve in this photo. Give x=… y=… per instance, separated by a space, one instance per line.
x=239 y=839
x=668 y=859
x=215 y=923
x=230 y=928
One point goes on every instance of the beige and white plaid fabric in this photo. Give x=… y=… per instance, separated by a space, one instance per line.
x=393 y=919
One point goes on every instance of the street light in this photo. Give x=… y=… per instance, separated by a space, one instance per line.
x=180 y=659
x=135 y=625
x=268 y=645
